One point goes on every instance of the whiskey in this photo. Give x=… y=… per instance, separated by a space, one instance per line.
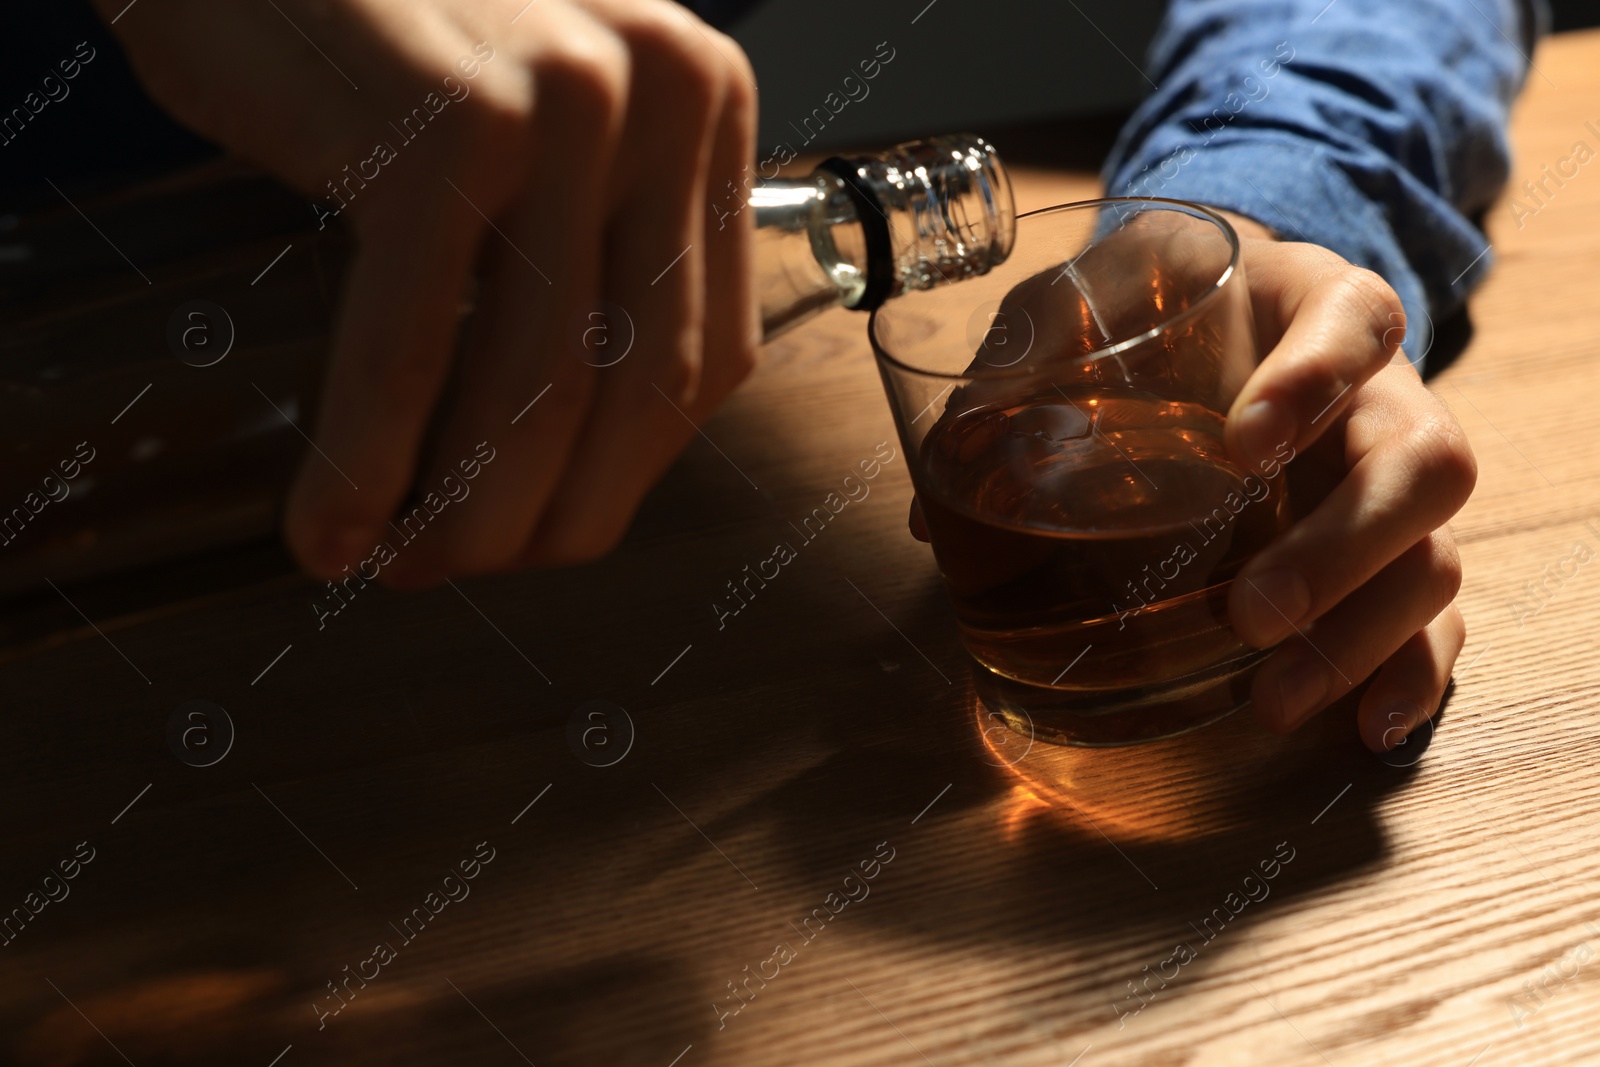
x=1089 y=538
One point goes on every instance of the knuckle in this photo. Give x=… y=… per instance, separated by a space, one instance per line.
x=489 y=142
x=588 y=72
x=678 y=374
x=1460 y=467
x=1442 y=457
x=743 y=73
x=497 y=109
x=1445 y=567
x=741 y=105
x=1364 y=293
x=1320 y=262
x=1329 y=259
x=1457 y=622
x=685 y=64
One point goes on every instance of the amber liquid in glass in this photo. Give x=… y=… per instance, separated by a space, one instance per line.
x=1089 y=538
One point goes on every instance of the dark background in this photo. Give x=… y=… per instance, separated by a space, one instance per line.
x=982 y=65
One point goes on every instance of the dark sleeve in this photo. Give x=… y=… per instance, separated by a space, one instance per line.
x=1374 y=128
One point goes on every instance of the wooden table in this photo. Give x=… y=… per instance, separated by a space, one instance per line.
x=1024 y=907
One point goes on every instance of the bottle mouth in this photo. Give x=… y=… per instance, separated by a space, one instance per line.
x=948 y=207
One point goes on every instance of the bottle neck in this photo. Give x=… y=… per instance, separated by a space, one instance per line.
x=810 y=253
x=858 y=231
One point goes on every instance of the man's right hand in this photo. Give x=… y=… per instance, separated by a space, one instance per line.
x=562 y=153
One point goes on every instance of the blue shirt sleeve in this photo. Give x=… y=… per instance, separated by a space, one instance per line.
x=1374 y=128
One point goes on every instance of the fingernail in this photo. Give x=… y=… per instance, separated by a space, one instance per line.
x=1399 y=718
x=1263 y=428
x=1301 y=688
x=1271 y=606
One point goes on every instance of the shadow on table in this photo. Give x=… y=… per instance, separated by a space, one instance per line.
x=834 y=713
x=1114 y=857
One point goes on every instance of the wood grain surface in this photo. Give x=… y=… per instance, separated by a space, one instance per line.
x=819 y=757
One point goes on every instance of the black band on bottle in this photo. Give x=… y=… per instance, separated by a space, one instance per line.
x=874 y=230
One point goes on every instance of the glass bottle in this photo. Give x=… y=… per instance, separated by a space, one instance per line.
x=864 y=229
x=152 y=416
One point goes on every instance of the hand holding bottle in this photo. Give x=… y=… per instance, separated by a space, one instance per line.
x=560 y=152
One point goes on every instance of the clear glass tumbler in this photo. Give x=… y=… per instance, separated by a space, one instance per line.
x=1063 y=417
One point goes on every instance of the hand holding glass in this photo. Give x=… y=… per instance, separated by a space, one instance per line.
x=1064 y=417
